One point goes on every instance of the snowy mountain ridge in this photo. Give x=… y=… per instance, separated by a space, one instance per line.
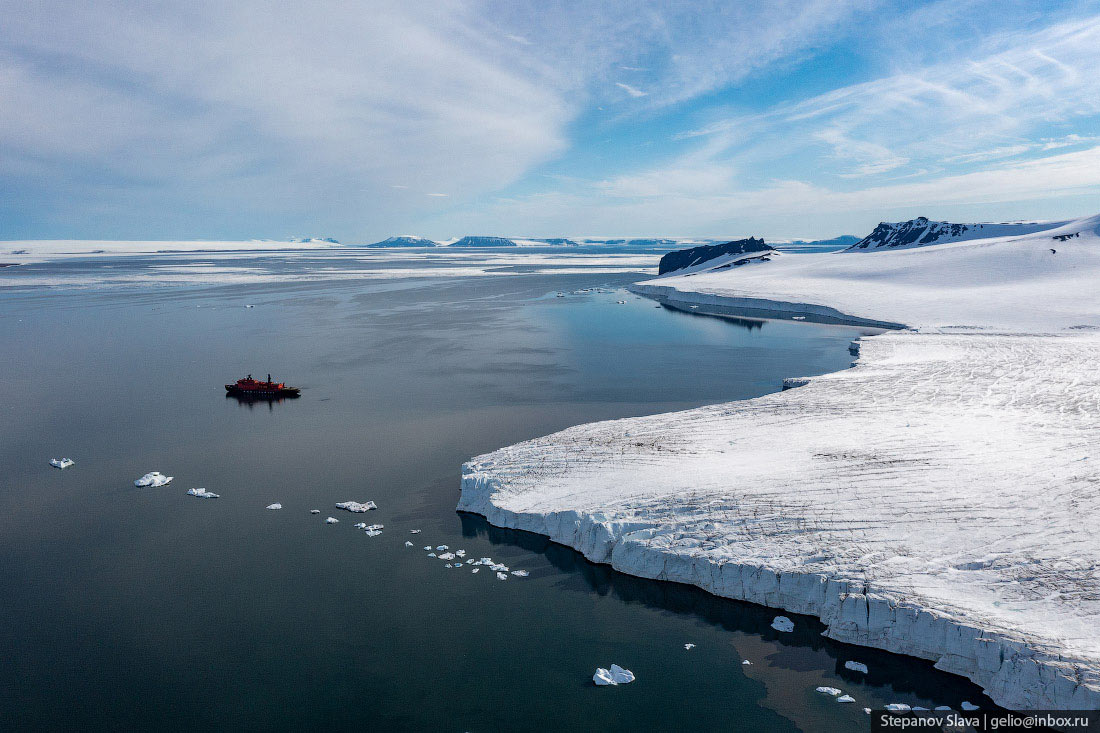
x=921 y=232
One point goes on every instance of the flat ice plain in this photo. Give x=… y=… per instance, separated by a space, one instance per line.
x=939 y=499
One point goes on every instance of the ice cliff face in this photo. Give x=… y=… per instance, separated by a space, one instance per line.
x=921 y=232
x=696 y=256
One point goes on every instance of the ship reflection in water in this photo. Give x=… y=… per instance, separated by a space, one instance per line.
x=251 y=400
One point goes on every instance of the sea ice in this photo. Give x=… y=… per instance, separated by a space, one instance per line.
x=856 y=666
x=475 y=570
x=845 y=698
x=616 y=675
x=898 y=707
x=502 y=576
x=375 y=527
x=356 y=506
x=746 y=663
x=447 y=556
x=968 y=706
x=431 y=554
x=414 y=531
x=782 y=623
x=829 y=691
x=314 y=511
x=153 y=478
x=202 y=493
x=427 y=547
x=360 y=525
x=442 y=547
x=275 y=506
x=520 y=573
x=408 y=544
x=689 y=646
x=62 y=462
x=331 y=520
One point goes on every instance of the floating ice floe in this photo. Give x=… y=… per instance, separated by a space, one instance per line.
x=943 y=708
x=446 y=556
x=856 y=666
x=798 y=318
x=441 y=548
x=614 y=676
x=62 y=462
x=360 y=525
x=520 y=573
x=331 y=520
x=275 y=506
x=845 y=698
x=898 y=707
x=968 y=706
x=153 y=478
x=829 y=691
x=867 y=711
x=314 y=511
x=202 y=493
x=375 y=528
x=460 y=553
x=357 y=506
x=689 y=645
x=431 y=554
x=499 y=568
x=447 y=565
x=746 y=663
x=502 y=576
x=372 y=533
x=458 y=564
x=414 y=531
x=427 y=547
x=475 y=570
x=250 y=306
x=408 y=544
x=782 y=623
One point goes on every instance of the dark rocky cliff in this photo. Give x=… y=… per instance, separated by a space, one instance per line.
x=680 y=259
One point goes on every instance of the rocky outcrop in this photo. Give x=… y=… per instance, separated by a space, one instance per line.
x=696 y=256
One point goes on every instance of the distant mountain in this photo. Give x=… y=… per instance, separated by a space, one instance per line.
x=559 y=242
x=921 y=232
x=685 y=258
x=405 y=241
x=304 y=240
x=484 y=242
x=844 y=240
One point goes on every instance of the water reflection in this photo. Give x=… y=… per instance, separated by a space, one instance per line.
x=894 y=673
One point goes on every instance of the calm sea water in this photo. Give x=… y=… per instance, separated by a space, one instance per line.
x=129 y=608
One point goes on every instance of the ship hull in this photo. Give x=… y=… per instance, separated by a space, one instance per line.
x=236 y=391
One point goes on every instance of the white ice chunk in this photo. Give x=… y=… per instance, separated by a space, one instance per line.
x=968 y=706
x=446 y=556
x=447 y=565
x=746 y=663
x=943 y=708
x=375 y=528
x=520 y=573
x=829 y=691
x=856 y=666
x=408 y=544
x=689 y=645
x=502 y=576
x=331 y=520
x=360 y=525
x=276 y=505
x=202 y=493
x=427 y=547
x=314 y=511
x=782 y=623
x=475 y=570
x=153 y=478
x=442 y=547
x=845 y=698
x=62 y=462
x=356 y=506
x=460 y=553
x=414 y=531
x=431 y=554
x=898 y=707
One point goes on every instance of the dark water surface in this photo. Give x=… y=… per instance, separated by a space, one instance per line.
x=127 y=608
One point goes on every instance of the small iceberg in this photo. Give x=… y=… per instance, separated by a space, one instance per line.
x=357 y=506
x=428 y=547
x=62 y=462
x=446 y=556
x=614 y=676
x=475 y=570
x=153 y=478
x=331 y=520
x=968 y=706
x=746 y=663
x=431 y=554
x=275 y=506
x=502 y=576
x=375 y=528
x=828 y=691
x=856 y=666
x=314 y=511
x=408 y=544
x=782 y=623
x=845 y=698
x=441 y=548
x=520 y=573
x=460 y=553
x=689 y=646
x=372 y=533
x=202 y=493
x=414 y=531
x=360 y=525
x=898 y=707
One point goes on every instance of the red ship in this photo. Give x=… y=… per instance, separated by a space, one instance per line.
x=249 y=387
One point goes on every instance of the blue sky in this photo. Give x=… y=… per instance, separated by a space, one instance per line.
x=182 y=120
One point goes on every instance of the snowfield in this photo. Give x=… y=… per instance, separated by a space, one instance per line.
x=939 y=499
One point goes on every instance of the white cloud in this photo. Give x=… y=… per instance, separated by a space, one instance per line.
x=632 y=91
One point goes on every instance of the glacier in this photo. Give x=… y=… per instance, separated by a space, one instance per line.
x=935 y=500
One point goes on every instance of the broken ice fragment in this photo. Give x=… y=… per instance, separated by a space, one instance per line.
x=968 y=706
x=447 y=565
x=61 y=462
x=331 y=520
x=431 y=554
x=475 y=570
x=427 y=547
x=782 y=623
x=460 y=553
x=856 y=666
x=502 y=576
x=520 y=573
x=360 y=525
x=442 y=547
x=845 y=698
x=414 y=531
x=746 y=663
x=614 y=676
x=275 y=506
x=153 y=478
x=356 y=506
x=689 y=646
x=314 y=511
x=375 y=528
x=898 y=707
x=202 y=493
x=446 y=556
x=408 y=544
x=829 y=691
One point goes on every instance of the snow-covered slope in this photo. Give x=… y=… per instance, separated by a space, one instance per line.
x=404 y=241
x=921 y=232
x=937 y=500
x=483 y=242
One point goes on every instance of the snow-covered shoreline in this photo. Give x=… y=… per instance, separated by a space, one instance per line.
x=935 y=500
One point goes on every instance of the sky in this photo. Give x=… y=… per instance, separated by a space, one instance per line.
x=442 y=118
